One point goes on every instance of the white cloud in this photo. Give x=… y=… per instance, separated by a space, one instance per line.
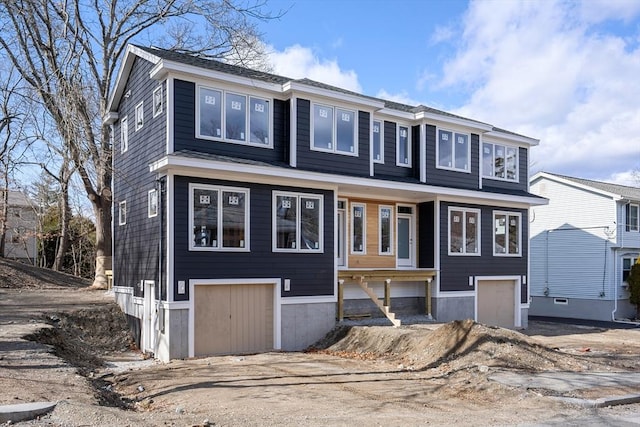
x=299 y=62
x=402 y=97
x=542 y=69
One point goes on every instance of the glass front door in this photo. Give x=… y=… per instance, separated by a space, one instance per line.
x=405 y=240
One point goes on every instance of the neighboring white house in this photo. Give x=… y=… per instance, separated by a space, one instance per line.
x=583 y=244
x=21 y=222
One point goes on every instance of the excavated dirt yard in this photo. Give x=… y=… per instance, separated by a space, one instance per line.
x=61 y=342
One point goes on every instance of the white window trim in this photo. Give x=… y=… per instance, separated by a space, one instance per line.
x=627 y=220
x=632 y=259
x=464 y=229
x=122 y=212
x=409 y=153
x=381 y=159
x=223 y=116
x=391 y=226
x=298 y=196
x=220 y=189
x=497 y=178
x=157 y=110
x=150 y=195
x=453 y=155
x=124 y=134
x=507 y=214
x=139 y=116
x=334 y=130
x=352 y=228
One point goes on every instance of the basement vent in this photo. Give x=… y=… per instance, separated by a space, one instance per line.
x=561 y=301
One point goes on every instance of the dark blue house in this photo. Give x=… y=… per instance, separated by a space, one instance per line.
x=253 y=211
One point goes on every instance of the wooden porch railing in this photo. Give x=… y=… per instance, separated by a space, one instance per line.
x=362 y=277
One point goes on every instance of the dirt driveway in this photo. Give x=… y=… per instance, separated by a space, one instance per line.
x=415 y=375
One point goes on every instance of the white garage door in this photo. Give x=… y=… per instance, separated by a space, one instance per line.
x=233 y=319
x=497 y=303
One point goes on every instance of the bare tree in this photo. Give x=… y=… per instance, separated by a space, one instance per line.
x=69 y=51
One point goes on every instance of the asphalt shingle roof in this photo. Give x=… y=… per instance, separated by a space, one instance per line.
x=627 y=192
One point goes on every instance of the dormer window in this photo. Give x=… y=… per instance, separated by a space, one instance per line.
x=243 y=119
x=333 y=130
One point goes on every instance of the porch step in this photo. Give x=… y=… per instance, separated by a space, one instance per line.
x=384 y=308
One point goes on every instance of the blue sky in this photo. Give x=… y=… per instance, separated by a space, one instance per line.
x=565 y=72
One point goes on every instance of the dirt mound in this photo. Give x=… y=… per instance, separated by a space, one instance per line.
x=14 y=275
x=462 y=344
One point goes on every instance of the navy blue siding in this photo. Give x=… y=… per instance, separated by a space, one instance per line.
x=455 y=270
x=185 y=130
x=426 y=235
x=136 y=244
x=310 y=274
x=331 y=162
x=389 y=170
x=449 y=178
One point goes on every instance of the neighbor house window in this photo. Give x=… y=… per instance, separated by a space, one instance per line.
x=627 y=263
x=219 y=218
x=358 y=228
x=122 y=212
x=244 y=118
x=124 y=135
x=152 y=203
x=403 y=146
x=297 y=225
x=333 y=130
x=632 y=217
x=464 y=231
x=378 y=141
x=454 y=150
x=506 y=233
x=386 y=230
x=499 y=161
x=157 y=101
x=139 y=116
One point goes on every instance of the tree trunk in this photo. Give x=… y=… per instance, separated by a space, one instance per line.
x=102 y=209
x=3 y=219
x=65 y=218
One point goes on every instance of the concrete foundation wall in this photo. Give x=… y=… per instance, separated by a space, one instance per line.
x=174 y=342
x=576 y=308
x=524 y=317
x=304 y=324
x=453 y=308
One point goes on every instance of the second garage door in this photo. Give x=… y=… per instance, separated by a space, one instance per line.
x=233 y=319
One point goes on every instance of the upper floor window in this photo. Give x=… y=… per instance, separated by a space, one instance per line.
x=298 y=220
x=233 y=117
x=122 y=213
x=152 y=203
x=378 y=141
x=139 y=116
x=632 y=217
x=386 y=230
x=403 y=146
x=333 y=130
x=124 y=134
x=157 y=101
x=464 y=231
x=453 y=150
x=627 y=263
x=219 y=218
x=358 y=228
x=506 y=233
x=499 y=161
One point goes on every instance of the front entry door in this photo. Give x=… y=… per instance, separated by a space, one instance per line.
x=405 y=240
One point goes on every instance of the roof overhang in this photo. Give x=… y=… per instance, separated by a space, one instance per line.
x=295 y=87
x=511 y=137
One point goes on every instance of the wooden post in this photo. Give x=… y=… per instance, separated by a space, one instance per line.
x=427 y=297
x=387 y=293
x=340 y=300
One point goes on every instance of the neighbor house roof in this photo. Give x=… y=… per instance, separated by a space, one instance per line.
x=622 y=191
x=16 y=198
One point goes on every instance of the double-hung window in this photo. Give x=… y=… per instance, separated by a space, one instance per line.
x=124 y=134
x=233 y=117
x=139 y=116
x=499 y=161
x=632 y=217
x=219 y=218
x=297 y=222
x=333 y=130
x=507 y=234
x=358 y=228
x=464 y=231
x=627 y=263
x=403 y=146
x=378 y=141
x=386 y=230
x=454 y=150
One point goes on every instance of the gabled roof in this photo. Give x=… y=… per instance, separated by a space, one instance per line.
x=616 y=190
x=157 y=55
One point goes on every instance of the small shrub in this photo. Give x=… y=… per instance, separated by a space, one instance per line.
x=634 y=286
